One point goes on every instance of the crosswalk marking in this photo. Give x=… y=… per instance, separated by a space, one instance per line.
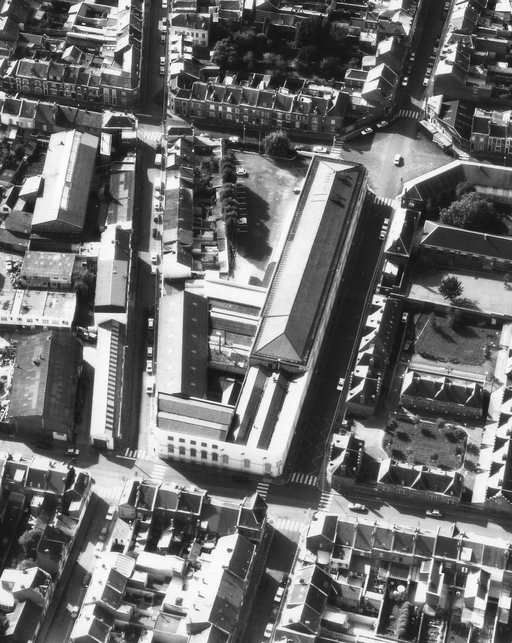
x=108 y=493
x=303 y=478
x=409 y=113
x=325 y=501
x=158 y=472
x=150 y=136
x=283 y=524
x=135 y=454
x=383 y=200
x=262 y=489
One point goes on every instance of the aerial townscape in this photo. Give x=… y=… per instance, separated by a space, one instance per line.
x=256 y=321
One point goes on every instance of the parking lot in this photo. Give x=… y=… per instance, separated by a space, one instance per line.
x=269 y=204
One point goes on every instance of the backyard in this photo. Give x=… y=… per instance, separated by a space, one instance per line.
x=455 y=340
x=433 y=444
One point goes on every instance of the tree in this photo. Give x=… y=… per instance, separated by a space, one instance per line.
x=311 y=31
x=228 y=175
x=277 y=144
x=464 y=187
x=30 y=540
x=451 y=288
x=84 y=284
x=331 y=67
x=228 y=190
x=473 y=211
x=225 y=53
x=26 y=563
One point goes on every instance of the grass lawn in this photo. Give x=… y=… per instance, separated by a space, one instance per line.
x=425 y=443
x=465 y=344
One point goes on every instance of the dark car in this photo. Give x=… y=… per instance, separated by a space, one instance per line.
x=242 y=479
x=46 y=446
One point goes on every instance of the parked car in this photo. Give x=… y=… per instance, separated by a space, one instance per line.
x=425 y=81
x=110 y=513
x=154 y=270
x=412 y=56
x=241 y=171
x=319 y=149
x=398 y=159
x=162 y=38
x=154 y=258
x=151 y=323
x=162 y=60
x=382 y=124
x=268 y=630
x=164 y=4
x=149 y=367
x=435 y=513
x=234 y=139
x=103 y=534
x=301 y=148
x=149 y=351
x=46 y=446
x=405 y=81
x=366 y=131
x=341 y=383
x=355 y=506
x=150 y=387
x=162 y=70
x=72 y=452
x=155 y=233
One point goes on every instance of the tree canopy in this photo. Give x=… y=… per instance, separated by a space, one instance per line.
x=277 y=144
x=451 y=288
x=475 y=212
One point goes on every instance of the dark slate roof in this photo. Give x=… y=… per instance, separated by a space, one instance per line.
x=439 y=235
x=304 y=275
x=241 y=558
x=45 y=376
x=183 y=344
x=252 y=512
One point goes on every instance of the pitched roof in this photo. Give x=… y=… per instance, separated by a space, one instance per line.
x=68 y=172
x=46 y=376
x=440 y=235
x=304 y=275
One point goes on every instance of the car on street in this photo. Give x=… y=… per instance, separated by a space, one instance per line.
x=149 y=367
x=366 y=131
x=241 y=171
x=162 y=38
x=435 y=513
x=151 y=323
x=398 y=160
x=341 y=383
x=149 y=351
x=154 y=258
x=164 y=4
x=150 y=387
x=162 y=70
x=412 y=56
x=154 y=270
x=318 y=149
x=234 y=139
x=103 y=534
x=405 y=81
x=301 y=148
x=425 y=81
x=162 y=60
x=155 y=233
x=110 y=513
x=356 y=506
x=46 y=446
x=382 y=124
x=268 y=631
x=72 y=452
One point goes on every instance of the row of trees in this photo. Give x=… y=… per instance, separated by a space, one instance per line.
x=228 y=195
x=318 y=47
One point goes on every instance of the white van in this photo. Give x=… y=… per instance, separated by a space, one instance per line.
x=158 y=160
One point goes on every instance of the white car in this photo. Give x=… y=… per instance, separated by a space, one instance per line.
x=110 y=513
x=164 y=4
x=382 y=124
x=435 y=513
x=425 y=81
x=341 y=384
x=162 y=71
x=356 y=506
x=319 y=149
x=162 y=61
x=405 y=81
x=366 y=131
x=154 y=259
x=241 y=171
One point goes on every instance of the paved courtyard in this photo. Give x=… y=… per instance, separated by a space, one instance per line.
x=488 y=294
